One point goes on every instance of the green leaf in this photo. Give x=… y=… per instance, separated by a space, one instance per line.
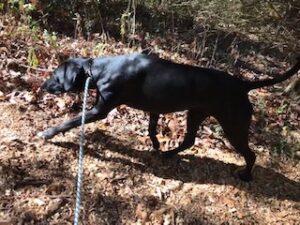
x=32 y=58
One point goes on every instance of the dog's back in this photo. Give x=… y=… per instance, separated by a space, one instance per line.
x=158 y=85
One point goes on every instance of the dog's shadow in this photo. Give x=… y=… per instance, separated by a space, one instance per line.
x=189 y=168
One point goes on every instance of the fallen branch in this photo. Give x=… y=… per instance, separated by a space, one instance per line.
x=31 y=182
x=37 y=69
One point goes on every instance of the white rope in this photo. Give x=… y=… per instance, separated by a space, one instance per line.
x=81 y=155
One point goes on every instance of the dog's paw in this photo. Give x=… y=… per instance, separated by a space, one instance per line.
x=168 y=154
x=243 y=175
x=154 y=150
x=47 y=134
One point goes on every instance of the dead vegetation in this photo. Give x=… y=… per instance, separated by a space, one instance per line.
x=124 y=182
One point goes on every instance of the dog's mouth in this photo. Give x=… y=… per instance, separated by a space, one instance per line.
x=54 y=92
x=57 y=92
x=51 y=87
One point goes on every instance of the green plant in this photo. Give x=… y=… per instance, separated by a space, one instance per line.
x=50 y=38
x=281 y=147
x=1 y=7
x=123 y=24
x=261 y=104
x=99 y=49
x=22 y=10
x=282 y=108
x=20 y=6
x=32 y=58
x=288 y=144
x=128 y=20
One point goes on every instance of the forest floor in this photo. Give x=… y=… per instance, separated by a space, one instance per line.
x=125 y=182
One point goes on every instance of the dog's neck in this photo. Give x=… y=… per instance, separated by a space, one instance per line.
x=87 y=67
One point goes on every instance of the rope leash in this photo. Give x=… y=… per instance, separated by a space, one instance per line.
x=81 y=154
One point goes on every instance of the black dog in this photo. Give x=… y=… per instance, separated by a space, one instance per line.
x=158 y=86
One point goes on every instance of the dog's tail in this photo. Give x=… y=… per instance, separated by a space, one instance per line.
x=250 y=85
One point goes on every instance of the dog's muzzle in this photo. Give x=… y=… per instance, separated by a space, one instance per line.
x=52 y=87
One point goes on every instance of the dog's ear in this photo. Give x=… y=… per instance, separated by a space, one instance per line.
x=72 y=71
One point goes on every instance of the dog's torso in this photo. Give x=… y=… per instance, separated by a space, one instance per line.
x=160 y=86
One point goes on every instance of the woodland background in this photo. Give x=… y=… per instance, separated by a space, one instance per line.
x=124 y=183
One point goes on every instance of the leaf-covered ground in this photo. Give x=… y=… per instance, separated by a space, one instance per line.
x=125 y=182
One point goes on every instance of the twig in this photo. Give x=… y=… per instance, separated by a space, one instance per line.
x=275 y=10
x=31 y=182
x=37 y=69
x=214 y=51
x=134 y=20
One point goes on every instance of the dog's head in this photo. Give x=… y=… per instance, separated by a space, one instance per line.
x=69 y=76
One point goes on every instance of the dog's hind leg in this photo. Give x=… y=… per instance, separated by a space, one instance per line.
x=194 y=119
x=236 y=127
x=153 y=130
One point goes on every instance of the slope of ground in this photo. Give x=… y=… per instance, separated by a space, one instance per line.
x=125 y=182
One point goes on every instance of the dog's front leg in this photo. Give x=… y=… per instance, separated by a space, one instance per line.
x=97 y=113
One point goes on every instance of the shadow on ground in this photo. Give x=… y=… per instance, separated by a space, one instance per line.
x=190 y=168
